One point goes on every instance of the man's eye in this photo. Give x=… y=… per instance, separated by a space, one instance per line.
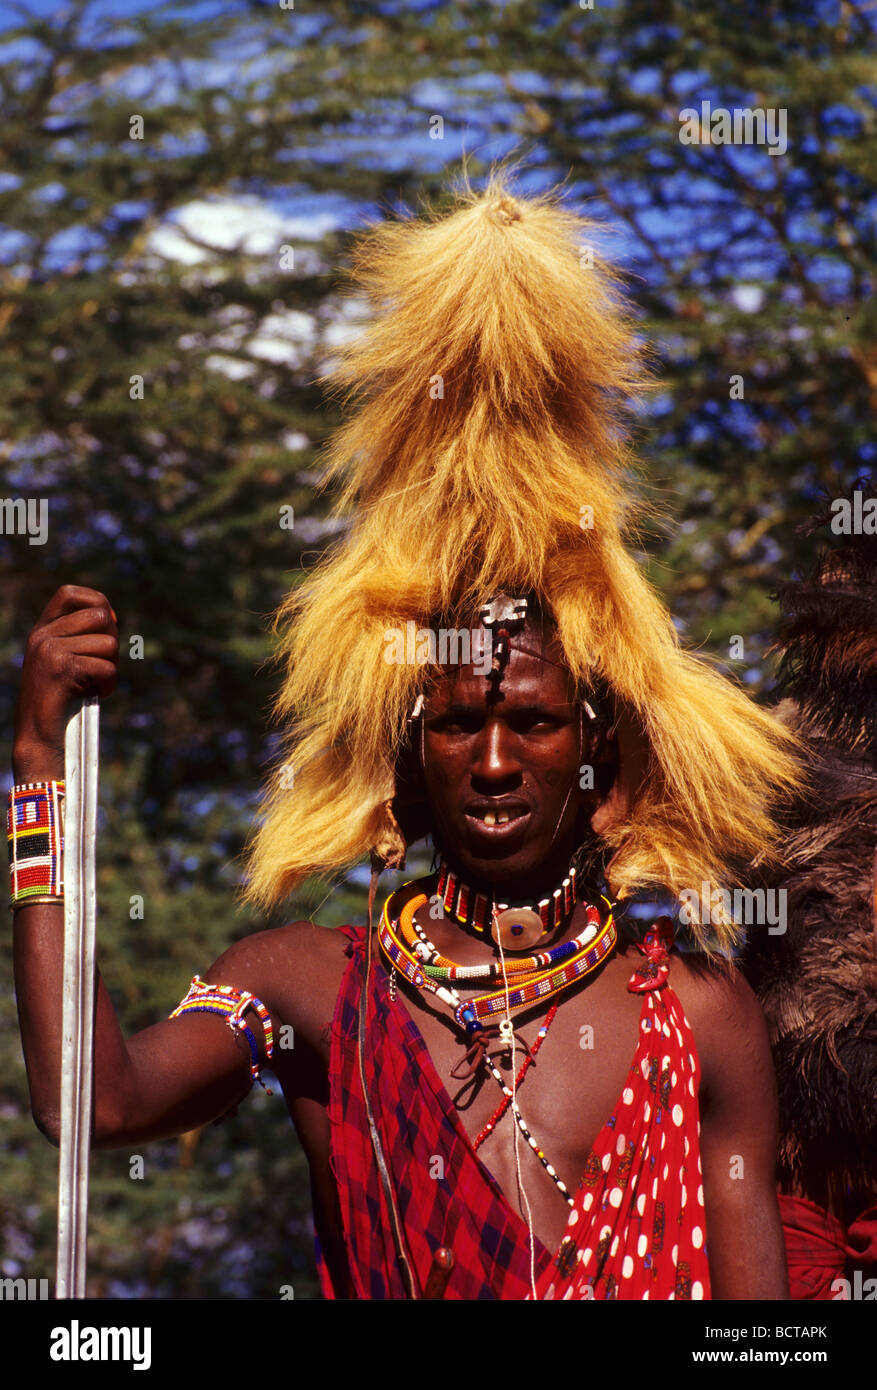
x=459 y=724
x=531 y=721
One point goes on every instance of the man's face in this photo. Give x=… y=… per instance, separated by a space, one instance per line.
x=502 y=766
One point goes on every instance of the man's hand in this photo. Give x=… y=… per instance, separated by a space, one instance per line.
x=72 y=651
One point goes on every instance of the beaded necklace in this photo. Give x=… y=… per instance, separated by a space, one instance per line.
x=476 y=910
x=510 y=1099
x=410 y=951
x=529 y=987
x=439 y=967
x=522 y=1126
x=507 y=1093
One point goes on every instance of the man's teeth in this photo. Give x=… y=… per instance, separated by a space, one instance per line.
x=490 y=819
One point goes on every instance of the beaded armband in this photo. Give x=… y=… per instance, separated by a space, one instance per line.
x=35 y=834
x=233 y=1004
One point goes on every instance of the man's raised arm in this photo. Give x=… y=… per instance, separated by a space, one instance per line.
x=169 y=1078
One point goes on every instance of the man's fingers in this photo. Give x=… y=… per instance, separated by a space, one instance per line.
x=72 y=597
x=88 y=663
x=73 y=651
x=79 y=626
x=92 y=676
x=66 y=649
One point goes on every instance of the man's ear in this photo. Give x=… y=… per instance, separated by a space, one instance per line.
x=628 y=748
x=410 y=806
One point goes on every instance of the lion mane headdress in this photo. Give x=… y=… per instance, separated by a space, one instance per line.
x=488 y=452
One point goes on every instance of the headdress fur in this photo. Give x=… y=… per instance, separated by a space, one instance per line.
x=488 y=452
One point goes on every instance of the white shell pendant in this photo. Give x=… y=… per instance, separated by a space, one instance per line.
x=517 y=928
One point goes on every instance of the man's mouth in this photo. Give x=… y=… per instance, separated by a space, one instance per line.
x=497 y=820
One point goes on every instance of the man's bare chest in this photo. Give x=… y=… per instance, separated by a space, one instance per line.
x=568 y=1091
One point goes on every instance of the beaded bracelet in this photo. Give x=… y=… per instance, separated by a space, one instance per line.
x=233 y=1004
x=35 y=835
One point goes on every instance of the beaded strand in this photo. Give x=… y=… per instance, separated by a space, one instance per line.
x=411 y=953
x=233 y=1004
x=528 y=1061
x=439 y=967
x=520 y=1122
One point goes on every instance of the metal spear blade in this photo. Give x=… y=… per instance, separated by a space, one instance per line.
x=80 y=832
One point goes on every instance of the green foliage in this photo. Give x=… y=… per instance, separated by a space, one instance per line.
x=741 y=264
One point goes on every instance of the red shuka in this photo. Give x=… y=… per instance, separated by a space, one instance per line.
x=637 y=1229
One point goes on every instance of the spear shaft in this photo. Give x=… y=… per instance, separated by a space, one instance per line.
x=80 y=833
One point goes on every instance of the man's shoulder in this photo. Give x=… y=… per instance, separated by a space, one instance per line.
x=300 y=936
x=725 y=1016
x=287 y=965
x=712 y=988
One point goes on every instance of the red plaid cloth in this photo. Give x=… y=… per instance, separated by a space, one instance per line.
x=445 y=1194
x=815 y=1254
x=637 y=1229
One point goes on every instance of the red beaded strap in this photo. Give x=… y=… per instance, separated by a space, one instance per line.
x=654 y=971
x=507 y=1098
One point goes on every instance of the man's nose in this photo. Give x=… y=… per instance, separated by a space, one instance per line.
x=496 y=758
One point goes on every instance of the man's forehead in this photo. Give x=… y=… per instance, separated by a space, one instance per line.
x=535 y=673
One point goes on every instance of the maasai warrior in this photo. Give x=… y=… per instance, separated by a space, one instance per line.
x=500 y=1094
x=818 y=979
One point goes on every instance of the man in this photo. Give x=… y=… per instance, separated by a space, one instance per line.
x=518 y=747
x=614 y=1131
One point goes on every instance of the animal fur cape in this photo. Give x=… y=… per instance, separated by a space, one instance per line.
x=492 y=392
x=818 y=981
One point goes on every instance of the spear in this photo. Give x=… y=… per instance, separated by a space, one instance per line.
x=80 y=826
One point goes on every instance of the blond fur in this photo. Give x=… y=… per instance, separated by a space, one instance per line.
x=479 y=487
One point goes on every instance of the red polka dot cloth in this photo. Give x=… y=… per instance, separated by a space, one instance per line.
x=637 y=1229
